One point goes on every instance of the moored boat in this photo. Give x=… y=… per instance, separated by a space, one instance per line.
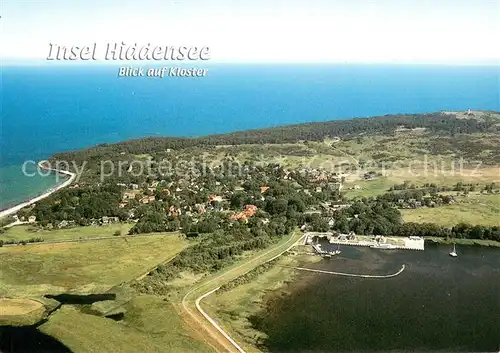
x=383 y=246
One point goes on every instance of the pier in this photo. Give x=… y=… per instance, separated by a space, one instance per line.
x=321 y=252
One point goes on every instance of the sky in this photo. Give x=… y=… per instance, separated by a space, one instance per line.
x=337 y=31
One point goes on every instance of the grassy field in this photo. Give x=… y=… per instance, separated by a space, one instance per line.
x=25 y=232
x=405 y=155
x=93 y=266
x=475 y=209
x=393 y=151
x=150 y=325
x=392 y=177
x=369 y=188
x=20 y=312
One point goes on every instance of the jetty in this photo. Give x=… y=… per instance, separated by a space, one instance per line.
x=349 y=274
x=324 y=253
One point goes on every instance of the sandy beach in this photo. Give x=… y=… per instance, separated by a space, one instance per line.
x=20 y=206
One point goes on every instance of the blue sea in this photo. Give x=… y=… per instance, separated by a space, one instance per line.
x=49 y=108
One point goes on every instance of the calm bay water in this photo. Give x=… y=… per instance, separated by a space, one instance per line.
x=438 y=304
x=46 y=109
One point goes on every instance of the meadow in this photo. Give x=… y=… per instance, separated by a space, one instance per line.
x=20 y=312
x=150 y=324
x=82 y=267
x=474 y=209
x=413 y=155
x=25 y=232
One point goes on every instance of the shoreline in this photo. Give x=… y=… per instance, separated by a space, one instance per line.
x=463 y=242
x=234 y=307
x=18 y=207
x=249 y=298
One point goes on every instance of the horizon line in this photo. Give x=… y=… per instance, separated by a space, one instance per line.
x=43 y=62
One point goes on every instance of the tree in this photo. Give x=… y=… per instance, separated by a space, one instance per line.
x=237 y=200
x=277 y=206
x=342 y=224
x=320 y=224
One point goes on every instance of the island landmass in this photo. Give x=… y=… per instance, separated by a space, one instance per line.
x=161 y=233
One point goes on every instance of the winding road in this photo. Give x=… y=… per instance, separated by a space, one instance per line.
x=215 y=331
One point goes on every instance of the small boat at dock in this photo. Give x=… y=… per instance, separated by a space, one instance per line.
x=384 y=246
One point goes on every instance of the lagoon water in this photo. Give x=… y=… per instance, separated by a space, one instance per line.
x=50 y=108
x=438 y=304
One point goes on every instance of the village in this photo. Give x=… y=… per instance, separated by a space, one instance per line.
x=239 y=197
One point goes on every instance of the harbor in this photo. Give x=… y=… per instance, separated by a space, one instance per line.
x=351 y=239
x=339 y=296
